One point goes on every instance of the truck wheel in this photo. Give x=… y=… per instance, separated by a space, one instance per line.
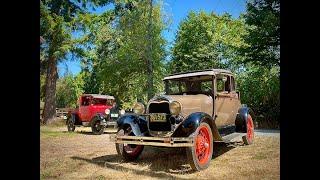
x=129 y=152
x=70 y=124
x=97 y=128
x=248 y=138
x=200 y=154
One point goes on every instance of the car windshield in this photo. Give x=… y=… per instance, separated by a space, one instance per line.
x=189 y=86
x=99 y=101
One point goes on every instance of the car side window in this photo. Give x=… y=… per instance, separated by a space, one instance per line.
x=85 y=101
x=206 y=86
x=227 y=84
x=223 y=84
x=233 y=84
x=220 y=85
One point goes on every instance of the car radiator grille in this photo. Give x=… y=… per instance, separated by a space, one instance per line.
x=160 y=108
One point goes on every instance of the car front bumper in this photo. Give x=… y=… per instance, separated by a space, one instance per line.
x=153 y=141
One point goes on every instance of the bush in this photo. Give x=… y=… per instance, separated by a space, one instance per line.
x=260 y=90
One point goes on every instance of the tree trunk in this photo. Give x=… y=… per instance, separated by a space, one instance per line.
x=149 y=61
x=49 y=111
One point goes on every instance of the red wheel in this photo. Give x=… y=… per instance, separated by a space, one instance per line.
x=200 y=154
x=248 y=138
x=129 y=152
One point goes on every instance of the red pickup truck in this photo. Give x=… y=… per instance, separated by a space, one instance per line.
x=94 y=112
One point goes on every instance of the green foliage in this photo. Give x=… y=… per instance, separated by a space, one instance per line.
x=260 y=84
x=69 y=89
x=122 y=54
x=260 y=90
x=207 y=41
x=263 y=17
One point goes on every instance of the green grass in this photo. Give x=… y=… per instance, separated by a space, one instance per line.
x=57 y=167
x=48 y=132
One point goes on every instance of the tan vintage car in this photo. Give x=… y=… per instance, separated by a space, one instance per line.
x=197 y=109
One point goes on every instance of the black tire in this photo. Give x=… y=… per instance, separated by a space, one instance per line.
x=249 y=137
x=96 y=128
x=70 y=124
x=129 y=152
x=201 y=138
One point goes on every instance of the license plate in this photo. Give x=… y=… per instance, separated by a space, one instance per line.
x=158 y=117
x=114 y=115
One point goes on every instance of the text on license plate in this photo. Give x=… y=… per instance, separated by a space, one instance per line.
x=158 y=117
x=114 y=115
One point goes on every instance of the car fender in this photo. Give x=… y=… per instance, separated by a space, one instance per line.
x=74 y=117
x=97 y=117
x=138 y=123
x=241 y=119
x=193 y=121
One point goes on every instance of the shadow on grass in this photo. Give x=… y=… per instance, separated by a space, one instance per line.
x=161 y=162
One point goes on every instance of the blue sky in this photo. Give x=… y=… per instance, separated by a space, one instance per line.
x=178 y=10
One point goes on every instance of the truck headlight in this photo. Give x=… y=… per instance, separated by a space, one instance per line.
x=107 y=111
x=122 y=112
x=175 y=107
x=138 y=108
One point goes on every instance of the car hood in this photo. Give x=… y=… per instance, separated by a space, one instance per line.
x=189 y=103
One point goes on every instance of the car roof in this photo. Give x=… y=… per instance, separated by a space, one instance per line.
x=99 y=96
x=207 y=72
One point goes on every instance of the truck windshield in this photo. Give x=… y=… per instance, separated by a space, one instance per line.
x=179 y=87
x=99 y=101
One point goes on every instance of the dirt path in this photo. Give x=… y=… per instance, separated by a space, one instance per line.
x=81 y=155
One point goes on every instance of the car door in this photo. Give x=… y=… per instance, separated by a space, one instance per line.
x=84 y=109
x=223 y=101
x=235 y=101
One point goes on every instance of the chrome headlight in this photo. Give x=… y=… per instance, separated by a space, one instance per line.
x=107 y=111
x=175 y=107
x=138 y=108
x=122 y=112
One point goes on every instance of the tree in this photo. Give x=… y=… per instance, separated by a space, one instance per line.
x=263 y=17
x=149 y=55
x=122 y=51
x=69 y=89
x=207 y=41
x=57 y=22
x=260 y=90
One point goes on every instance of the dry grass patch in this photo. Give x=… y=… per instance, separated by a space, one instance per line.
x=87 y=156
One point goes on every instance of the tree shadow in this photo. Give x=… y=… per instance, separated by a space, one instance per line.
x=219 y=148
x=161 y=162
x=115 y=162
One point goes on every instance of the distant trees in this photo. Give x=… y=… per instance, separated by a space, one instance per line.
x=206 y=40
x=69 y=89
x=260 y=83
x=264 y=34
x=122 y=53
